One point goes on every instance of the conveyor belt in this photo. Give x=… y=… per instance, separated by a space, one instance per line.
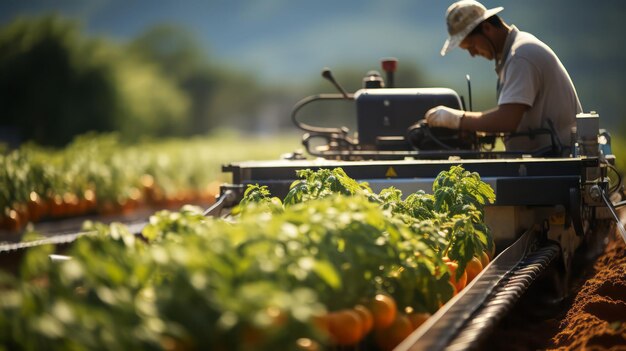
x=502 y=300
x=468 y=318
x=60 y=239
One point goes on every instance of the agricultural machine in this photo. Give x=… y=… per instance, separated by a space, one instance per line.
x=550 y=210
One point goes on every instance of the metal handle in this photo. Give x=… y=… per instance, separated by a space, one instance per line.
x=227 y=199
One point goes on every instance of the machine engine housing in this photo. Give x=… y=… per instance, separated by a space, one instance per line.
x=385 y=114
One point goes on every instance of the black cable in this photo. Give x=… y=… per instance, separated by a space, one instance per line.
x=436 y=140
x=619 y=179
x=314 y=129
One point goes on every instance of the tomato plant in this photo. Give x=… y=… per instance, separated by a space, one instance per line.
x=97 y=173
x=306 y=270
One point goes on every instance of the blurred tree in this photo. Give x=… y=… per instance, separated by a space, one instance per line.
x=55 y=83
x=151 y=104
x=173 y=48
x=218 y=96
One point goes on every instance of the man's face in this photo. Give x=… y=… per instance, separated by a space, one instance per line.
x=478 y=44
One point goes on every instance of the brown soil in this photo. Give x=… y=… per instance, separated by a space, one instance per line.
x=597 y=317
x=591 y=317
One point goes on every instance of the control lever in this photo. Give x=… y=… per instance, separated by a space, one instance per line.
x=327 y=74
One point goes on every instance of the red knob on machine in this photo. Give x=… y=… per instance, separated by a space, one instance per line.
x=390 y=64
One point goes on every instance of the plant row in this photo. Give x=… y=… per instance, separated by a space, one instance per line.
x=333 y=264
x=99 y=174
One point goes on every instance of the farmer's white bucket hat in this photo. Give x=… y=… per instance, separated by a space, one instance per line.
x=462 y=17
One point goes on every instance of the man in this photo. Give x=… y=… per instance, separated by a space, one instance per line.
x=534 y=89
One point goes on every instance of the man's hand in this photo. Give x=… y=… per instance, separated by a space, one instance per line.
x=442 y=116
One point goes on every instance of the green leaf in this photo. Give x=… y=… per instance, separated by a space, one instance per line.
x=327 y=273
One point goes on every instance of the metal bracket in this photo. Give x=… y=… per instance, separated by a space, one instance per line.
x=229 y=197
x=574 y=209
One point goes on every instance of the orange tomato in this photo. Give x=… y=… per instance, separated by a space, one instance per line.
x=389 y=337
x=367 y=318
x=57 y=209
x=123 y=205
x=345 y=327
x=70 y=201
x=492 y=252
x=22 y=213
x=12 y=221
x=418 y=318
x=484 y=259
x=473 y=268
x=35 y=206
x=90 y=197
x=108 y=207
x=460 y=283
x=384 y=310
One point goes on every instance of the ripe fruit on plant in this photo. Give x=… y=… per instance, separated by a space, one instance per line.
x=473 y=268
x=384 y=310
x=345 y=327
x=12 y=220
x=57 y=209
x=367 y=318
x=484 y=258
x=492 y=252
x=35 y=209
x=389 y=337
x=459 y=283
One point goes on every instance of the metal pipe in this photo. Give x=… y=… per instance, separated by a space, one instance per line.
x=620 y=225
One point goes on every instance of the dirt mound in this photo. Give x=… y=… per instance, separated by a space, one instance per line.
x=597 y=318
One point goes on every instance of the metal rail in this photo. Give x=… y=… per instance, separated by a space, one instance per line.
x=466 y=319
x=484 y=321
x=60 y=239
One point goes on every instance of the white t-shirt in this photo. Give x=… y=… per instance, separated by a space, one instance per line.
x=532 y=74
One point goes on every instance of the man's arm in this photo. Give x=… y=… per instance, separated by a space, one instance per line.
x=502 y=119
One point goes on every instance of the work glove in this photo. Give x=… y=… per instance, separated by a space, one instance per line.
x=442 y=116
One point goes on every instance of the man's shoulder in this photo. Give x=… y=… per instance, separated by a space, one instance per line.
x=528 y=46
